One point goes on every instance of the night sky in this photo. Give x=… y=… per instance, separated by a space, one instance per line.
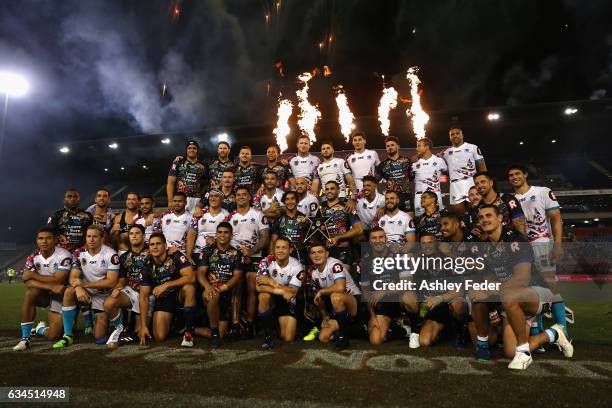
x=97 y=68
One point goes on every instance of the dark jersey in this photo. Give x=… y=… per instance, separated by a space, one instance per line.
x=221 y=264
x=72 y=225
x=509 y=207
x=429 y=223
x=339 y=220
x=190 y=177
x=469 y=219
x=131 y=266
x=170 y=269
x=217 y=167
x=397 y=173
x=511 y=250
x=433 y=273
x=249 y=176
x=283 y=173
x=294 y=230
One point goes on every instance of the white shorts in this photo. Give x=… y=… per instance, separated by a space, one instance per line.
x=545 y=301
x=191 y=204
x=55 y=306
x=459 y=190
x=134 y=298
x=418 y=210
x=543 y=260
x=97 y=299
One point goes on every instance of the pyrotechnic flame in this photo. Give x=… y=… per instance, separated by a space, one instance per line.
x=416 y=113
x=163 y=89
x=326 y=70
x=278 y=7
x=309 y=114
x=345 y=116
x=282 y=130
x=388 y=101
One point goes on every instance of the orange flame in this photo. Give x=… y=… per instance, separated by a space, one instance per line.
x=309 y=114
x=282 y=130
x=416 y=113
x=164 y=90
x=279 y=66
x=388 y=101
x=345 y=116
x=326 y=70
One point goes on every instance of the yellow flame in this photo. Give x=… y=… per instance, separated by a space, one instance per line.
x=282 y=130
x=416 y=113
x=388 y=101
x=309 y=114
x=164 y=89
x=345 y=116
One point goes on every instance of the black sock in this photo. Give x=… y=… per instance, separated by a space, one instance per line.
x=267 y=321
x=188 y=314
x=415 y=322
x=214 y=331
x=342 y=319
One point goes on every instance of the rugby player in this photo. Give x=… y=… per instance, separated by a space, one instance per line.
x=122 y=222
x=187 y=175
x=427 y=171
x=342 y=225
x=463 y=160
x=219 y=165
x=246 y=172
x=70 y=222
x=251 y=234
x=278 y=280
x=396 y=170
x=46 y=274
x=544 y=231
x=220 y=270
x=308 y=203
x=291 y=225
x=335 y=295
x=362 y=161
x=334 y=169
x=100 y=210
x=510 y=260
x=509 y=207
x=271 y=199
x=470 y=216
x=429 y=220
x=282 y=170
x=304 y=163
x=227 y=191
x=397 y=224
x=147 y=214
x=95 y=271
x=175 y=223
x=203 y=229
x=370 y=203
x=170 y=279
x=125 y=294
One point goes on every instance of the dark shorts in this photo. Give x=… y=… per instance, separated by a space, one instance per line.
x=389 y=309
x=169 y=303
x=440 y=314
x=284 y=308
x=328 y=303
x=405 y=202
x=344 y=254
x=252 y=265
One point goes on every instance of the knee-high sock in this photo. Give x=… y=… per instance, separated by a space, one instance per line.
x=68 y=315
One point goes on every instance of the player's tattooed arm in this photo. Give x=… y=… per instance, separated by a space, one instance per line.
x=264 y=238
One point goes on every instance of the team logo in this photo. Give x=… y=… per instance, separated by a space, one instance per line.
x=399 y=222
x=37 y=265
x=83 y=261
x=235 y=222
x=274 y=273
x=514 y=247
x=365 y=205
x=369 y=157
x=103 y=263
x=450 y=153
x=185 y=222
x=168 y=221
x=435 y=164
x=382 y=223
x=295 y=162
x=418 y=165
x=300 y=275
x=532 y=198
x=115 y=259
x=551 y=195
x=353 y=159
x=466 y=150
x=337 y=268
x=252 y=220
x=311 y=162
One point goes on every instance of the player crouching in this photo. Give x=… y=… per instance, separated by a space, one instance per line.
x=170 y=278
x=335 y=295
x=45 y=276
x=278 y=280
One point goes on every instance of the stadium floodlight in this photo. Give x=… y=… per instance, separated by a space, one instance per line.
x=106 y=169
x=113 y=145
x=595 y=219
x=144 y=166
x=521 y=143
x=166 y=141
x=569 y=111
x=64 y=149
x=122 y=168
x=13 y=84
x=586 y=221
x=223 y=137
x=553 y=141
x=493 y=116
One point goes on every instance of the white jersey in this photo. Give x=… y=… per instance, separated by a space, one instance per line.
x=462 y=161
x=427 y=174
x=366 y=210
x=175 y=227
x=247 y=228
x=333 y=170
x=536 y=204
x=206 y=226
x=362 y=164
x=59 y=260
x=95 y=267
x=396 y=227
x=309 y=205
x=265 y=202
x=304 y=166
x=289 y=275
x=334 y=270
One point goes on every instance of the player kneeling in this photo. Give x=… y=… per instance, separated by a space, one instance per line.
x=95 y=271
x=335 y=295
x=220 y=271
x=45 y=276
x=170 y=278
x=126 y=292
x=278 y=280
